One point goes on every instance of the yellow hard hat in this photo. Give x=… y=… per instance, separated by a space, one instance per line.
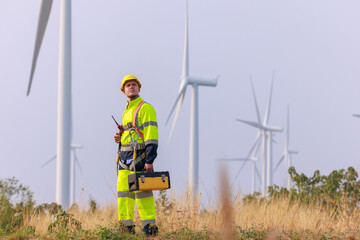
x=127 y=78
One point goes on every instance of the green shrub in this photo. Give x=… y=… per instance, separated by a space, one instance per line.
x=339 y=188
x=16 y=201
x=51 y=208
x=163 y=203
x=64 y=223
x=93 y=206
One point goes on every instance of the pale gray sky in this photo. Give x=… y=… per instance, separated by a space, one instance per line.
x=312 y=45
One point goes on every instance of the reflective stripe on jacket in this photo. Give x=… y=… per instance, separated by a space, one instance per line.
x=147 y=124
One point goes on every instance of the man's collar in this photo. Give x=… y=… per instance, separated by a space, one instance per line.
x=135 y=101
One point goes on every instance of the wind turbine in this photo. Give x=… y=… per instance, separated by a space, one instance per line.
x=74 y=161
x=287 y=154
x=266 y=132
x=251 y=157
x=64 y=93
x=186 y=80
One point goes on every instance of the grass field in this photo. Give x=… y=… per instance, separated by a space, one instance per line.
x=180 y=217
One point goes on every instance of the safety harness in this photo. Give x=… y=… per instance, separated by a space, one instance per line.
x=133 y=126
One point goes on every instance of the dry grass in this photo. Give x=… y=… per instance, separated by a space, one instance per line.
x=220 y=220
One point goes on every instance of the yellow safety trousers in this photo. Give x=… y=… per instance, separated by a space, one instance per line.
x=126 y=202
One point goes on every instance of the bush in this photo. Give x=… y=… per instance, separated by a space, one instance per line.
x=93 y=204
x=338 y=188
x=52 y=208
x=64 y=223
x=16 y=201
x=163 y=203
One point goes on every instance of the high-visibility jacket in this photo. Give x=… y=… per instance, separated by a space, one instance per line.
x=146 y=124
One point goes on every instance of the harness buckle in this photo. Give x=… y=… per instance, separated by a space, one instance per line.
x=129 y=125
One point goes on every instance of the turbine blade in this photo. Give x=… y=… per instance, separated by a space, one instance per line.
x=238 y=173
x=185 y=70
x=77 y=162
x=267 y=115
x=179 y=98
x=278 y=164
x=287 y=129
x=257 y=173
x=251 y=123
x=256 y=105
x=256 y=143
x=258 y=147
x=178 y=104
x=356 y=115
x=44 y=14
x=49 y=161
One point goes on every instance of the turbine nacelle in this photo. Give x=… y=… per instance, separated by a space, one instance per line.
x=76 y=146
x=203 y=82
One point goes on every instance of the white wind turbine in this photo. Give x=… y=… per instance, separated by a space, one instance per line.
x=64 y=93
x=74 y=160
x=251 y=157
x=186 y=80
x=287 y=154
x=266 y=132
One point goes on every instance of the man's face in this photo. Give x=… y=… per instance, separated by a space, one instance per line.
x=131 y=89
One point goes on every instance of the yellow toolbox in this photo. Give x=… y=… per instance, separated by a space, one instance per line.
x=146 y=181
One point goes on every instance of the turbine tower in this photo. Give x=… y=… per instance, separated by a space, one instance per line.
x=64 y=94
x=266 y=132
x=287 y=154
x=74 y=160
x=186 y=80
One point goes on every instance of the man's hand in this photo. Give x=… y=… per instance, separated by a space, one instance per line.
x=149 y=167
x=117 y=138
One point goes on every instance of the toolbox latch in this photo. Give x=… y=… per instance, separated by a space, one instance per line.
x=163 y=177
x=142 y=178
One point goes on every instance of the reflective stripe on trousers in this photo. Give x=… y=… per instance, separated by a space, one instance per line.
x=126 y=202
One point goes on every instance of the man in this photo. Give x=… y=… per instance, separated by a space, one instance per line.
x=139 y=122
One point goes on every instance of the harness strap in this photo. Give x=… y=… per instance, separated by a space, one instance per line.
x=133 y=124
x=135 y=115
x=128 y=147
x=133 y=164
x=134 y=121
